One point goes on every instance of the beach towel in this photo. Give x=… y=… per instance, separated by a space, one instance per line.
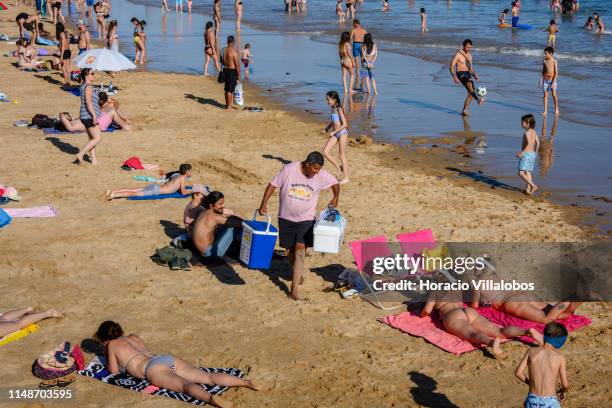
x=159 y=197
x=33 y=212
x=19 y=334
x=571 y=323
x=429 y=328
x=74 y=91
x=150 y=179
x=52 y=131
x=96 y=369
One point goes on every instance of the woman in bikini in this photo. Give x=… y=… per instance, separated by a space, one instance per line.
x=467 y=324
x=346 y=61
x=140 y=39
x=129 y=354
x=368 y=58
x=112 y=38
x=217 y=16
x=100 y=10
x=210 y=47
x=339 y=134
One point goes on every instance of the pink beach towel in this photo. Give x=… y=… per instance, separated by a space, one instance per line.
x=571 y=323
x=431 y=329
x=33 y=212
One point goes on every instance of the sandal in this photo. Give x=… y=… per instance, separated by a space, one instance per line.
x=66 y=380
x=47 y=384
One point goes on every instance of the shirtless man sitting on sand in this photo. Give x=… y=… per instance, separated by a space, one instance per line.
x=467 y=324
x=214 y=229
x=177 y=182
x=462 y=71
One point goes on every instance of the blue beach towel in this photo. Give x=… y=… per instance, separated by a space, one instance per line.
x=74 y=91
x=5 y=219
x=159 y=197
x=52 y=131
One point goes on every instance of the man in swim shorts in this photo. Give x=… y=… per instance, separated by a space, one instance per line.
x=216 y=227
x=84 y=41
x=544 y=365
x=177 y=182
x=357 y=34
x=462 y=71
x=231 y=71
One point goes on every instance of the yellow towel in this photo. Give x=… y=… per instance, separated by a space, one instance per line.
x=26 y=331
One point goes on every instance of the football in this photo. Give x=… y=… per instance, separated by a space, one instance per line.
x=481 y=91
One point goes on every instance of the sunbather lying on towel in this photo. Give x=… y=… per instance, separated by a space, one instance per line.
x=216 y=227
x=520 y=304
x=467 y=324
x=15 y=320
x=129 y=353
x=108 y=115
x=176 y=183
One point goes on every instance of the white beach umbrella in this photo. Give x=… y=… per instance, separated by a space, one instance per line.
x=103 y=59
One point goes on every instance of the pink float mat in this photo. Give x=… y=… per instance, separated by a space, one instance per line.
x=571 y=323
x=431 y=329
x=32 y=212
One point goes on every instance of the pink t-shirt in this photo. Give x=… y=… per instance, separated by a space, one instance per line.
x=298 y=193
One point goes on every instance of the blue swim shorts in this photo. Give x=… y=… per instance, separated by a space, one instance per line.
x=527 y=161
x=357 y=49
x=535 y=401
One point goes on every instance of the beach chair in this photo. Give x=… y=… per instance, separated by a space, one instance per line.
x=414 y=243
x=364 y=251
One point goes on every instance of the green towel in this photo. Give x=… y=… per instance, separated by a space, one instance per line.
x=149 y=179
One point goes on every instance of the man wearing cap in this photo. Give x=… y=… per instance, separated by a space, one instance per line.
x=300 y=184
x=84 y=37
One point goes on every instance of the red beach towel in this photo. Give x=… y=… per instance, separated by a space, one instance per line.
x=133 y=162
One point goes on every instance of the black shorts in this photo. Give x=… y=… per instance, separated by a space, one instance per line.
x=231 y=79
x=291 y=233
x=88 y=123
x=464 y=77
x=66 y=55
x=57 y=5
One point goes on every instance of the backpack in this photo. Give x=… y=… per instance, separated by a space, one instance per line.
x=58 y=362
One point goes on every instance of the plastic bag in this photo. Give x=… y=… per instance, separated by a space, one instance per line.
x=238 y=95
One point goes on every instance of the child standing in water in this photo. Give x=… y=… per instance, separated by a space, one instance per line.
x=544 y=364
x=246 y=57
x=548 y=80
x=528 y=154
x=338 y=135
x=423 y=20
x=552 y=31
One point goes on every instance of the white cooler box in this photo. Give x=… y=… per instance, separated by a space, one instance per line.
x=328 y=236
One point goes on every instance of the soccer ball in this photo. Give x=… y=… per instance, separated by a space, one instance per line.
x=481 y=91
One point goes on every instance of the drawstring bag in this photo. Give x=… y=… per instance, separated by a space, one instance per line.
x=58 y=362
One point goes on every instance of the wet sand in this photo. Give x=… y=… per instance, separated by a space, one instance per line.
x=92 y=261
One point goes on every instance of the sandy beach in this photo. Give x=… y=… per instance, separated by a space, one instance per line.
x=92 y=261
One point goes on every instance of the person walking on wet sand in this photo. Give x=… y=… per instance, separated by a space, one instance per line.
x=90 y=111
x=210 y=47
x=462 y=71
x=528 y=154
x=337 y=134
x=231 y=70
x=300 y=184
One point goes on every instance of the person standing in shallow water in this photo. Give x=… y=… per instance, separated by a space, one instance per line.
x=462 y=71
x=210 y=47
x=346 y=61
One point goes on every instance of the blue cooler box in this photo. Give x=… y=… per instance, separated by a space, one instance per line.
x=258 y=241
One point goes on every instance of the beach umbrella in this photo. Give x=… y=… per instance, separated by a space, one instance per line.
x=103 y=59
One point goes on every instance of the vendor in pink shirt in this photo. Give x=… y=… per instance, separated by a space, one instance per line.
x=300 y=184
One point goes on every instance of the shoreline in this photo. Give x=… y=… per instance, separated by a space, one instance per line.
x=92 y=261
x=494 y=163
